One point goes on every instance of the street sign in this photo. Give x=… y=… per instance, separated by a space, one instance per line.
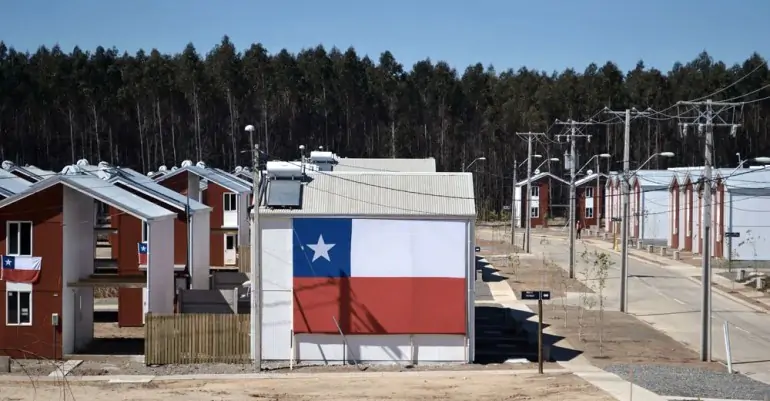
x=478 y=249
x=535 y=295
x=733 y=235
x=506 y=207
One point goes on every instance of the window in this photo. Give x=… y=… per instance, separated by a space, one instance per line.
x=534 y=212
x=230 y=202
x=230 y=241
x=589 y=212
x=19 y=238
x=145 y=231
x=589 y=192
x=18 y=307
x=534 y=192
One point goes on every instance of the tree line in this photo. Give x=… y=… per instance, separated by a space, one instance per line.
x=146 y=109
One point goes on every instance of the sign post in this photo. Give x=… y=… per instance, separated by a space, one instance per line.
x=539 y=296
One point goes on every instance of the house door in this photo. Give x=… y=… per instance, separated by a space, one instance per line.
x=230 y=252
x=144 y=304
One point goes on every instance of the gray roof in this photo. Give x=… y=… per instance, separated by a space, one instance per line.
x=746 y=178
x=589 y=178
x=10 y=184
x=101 y=191
x=151 y=188
x=32 y=172
x=539 y=176
x=385 y=165
x=209 y=174
x=236 y=177
x=653 y=178
x=385 y=194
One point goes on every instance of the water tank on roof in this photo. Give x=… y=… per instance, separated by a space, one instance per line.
x=238 y=169
x=82 y=162
x=321 y=156
x=163 y=168
x=201 y=164
x=7 y=164
x=187 y=163
x=284 y=169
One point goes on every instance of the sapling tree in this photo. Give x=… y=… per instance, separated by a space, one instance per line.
x=601 y=267
x=587 y=301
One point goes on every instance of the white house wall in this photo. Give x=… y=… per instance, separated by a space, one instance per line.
x=243 y=219
x=681 y=213
x=201 y=250
x=78 y=255
x=697 y=223
x=747 y=217
x=655 y=216
x=160 y=269
x=277 y=335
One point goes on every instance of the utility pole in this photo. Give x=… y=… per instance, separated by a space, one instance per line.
x=573 y=134
x=626 y=199
x=528 y=234
x=513 y=206
x=705 y=121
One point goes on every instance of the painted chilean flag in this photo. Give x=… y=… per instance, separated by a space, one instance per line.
x=379 y=276
x=143 y=249
x=21 y=269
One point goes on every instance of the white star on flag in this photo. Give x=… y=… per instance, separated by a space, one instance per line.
x=8 y=262
x=321 y=249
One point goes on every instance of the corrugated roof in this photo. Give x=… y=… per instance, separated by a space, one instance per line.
x=211 y=175
x=589 y=178
x=102 y=191
x=235 y=177
x=747 y=178
x=152 y=188
x=12 y=184
x=385 y=194
x=539 y=176
x=385 y=165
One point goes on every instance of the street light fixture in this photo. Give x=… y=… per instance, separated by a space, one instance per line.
x=481 y=158
x=534 y=156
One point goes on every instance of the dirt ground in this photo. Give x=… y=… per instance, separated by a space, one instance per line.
x=409 y=386
x=111 y=330
x=531 y=273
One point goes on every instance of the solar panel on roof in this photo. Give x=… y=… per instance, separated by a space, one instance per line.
x=284 y=193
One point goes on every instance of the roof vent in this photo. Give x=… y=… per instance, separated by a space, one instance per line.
x=318 y=156
x=82 y=162
x=7 y=165
x=162 y=168
x=238 y=169
x=278 y=169
x=537 y=171
x=589 y=172
x=71 y=169
x=150 y=174
x=187 y=163
x=103 y=165
x=175 y=168
x=200 y=164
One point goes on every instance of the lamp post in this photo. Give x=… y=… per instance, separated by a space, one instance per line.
x=478 y=159
x=255 y=289
x=624 y=232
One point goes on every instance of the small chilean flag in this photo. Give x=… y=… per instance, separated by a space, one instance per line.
x=21 y=269
x=142 y=253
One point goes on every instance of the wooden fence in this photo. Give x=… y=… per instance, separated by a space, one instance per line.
x=196 y=338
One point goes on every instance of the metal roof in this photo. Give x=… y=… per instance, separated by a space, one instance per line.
x=589 y=178
x=101 y=191
x=539 y=176
x=653 y=178
x=236 y=177
x=384 y=194
x=11 y=184
x=746 y=178
x=210 y=175
x=151 y=188
x=385 y=165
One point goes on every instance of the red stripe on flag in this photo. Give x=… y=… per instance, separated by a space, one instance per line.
x=380 y=305
x=21 y=275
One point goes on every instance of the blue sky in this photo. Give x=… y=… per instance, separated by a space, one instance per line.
x=541 y=34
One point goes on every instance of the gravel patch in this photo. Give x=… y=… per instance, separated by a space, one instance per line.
x=33 y=367
x=676 y=381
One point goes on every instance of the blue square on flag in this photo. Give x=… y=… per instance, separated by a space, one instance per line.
x=322 y=247
x=9 y=262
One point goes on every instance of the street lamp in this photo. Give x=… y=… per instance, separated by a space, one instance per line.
x=255 y=282
x=624 y=231
x=533 y=156
x=528 y=234
x=482 y=158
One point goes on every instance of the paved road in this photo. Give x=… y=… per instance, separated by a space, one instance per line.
x=664 y=297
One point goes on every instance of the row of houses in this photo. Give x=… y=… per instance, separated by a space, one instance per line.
x=175 y=228
x=666 y=209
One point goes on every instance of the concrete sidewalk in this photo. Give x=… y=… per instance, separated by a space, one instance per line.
x=580 y=366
